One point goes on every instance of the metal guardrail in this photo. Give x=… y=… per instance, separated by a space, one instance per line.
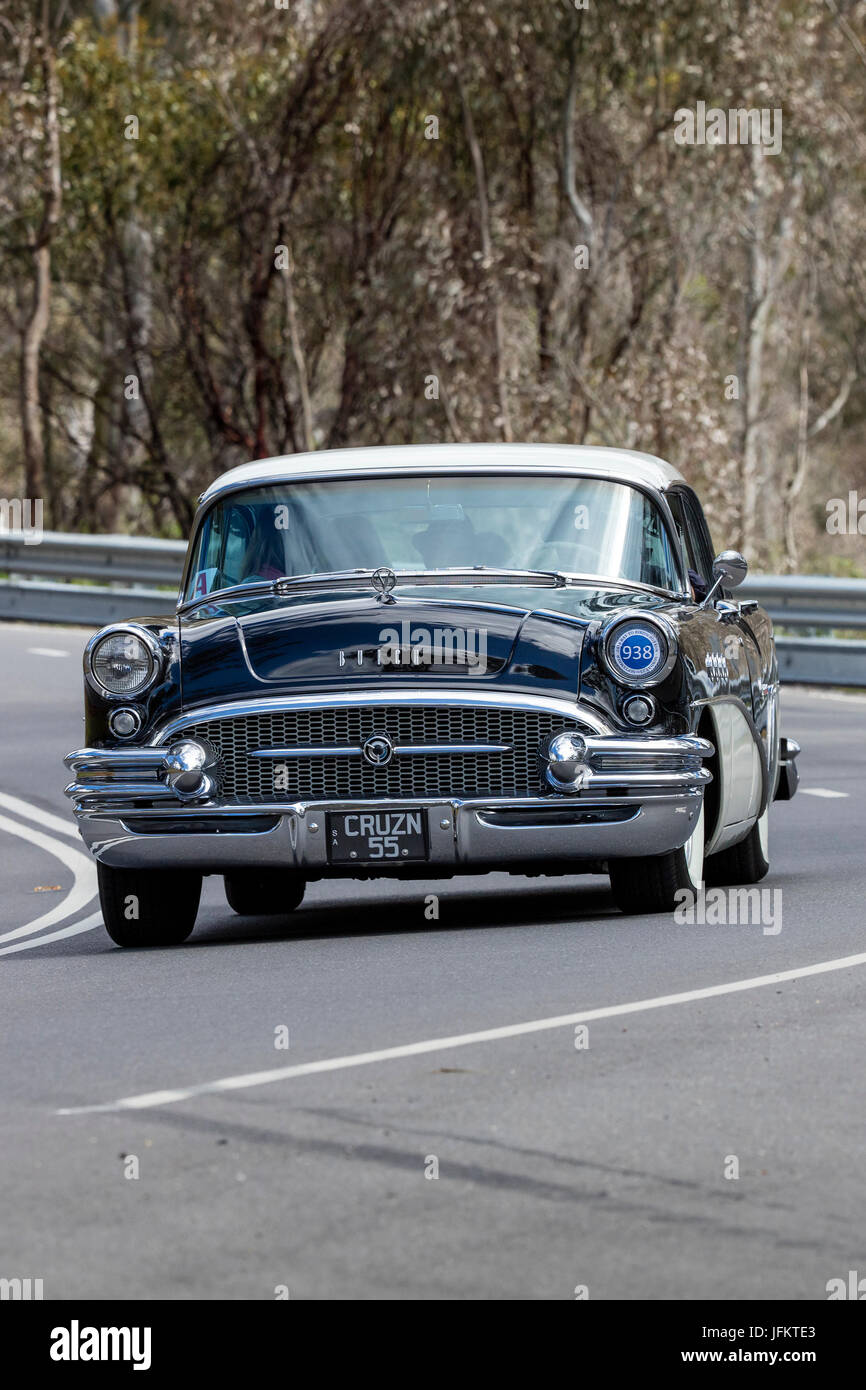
x=50 y=582
x=65 y=561
x=810 y=600
x=812 y=604
x=105 y=558
x=821 y=661
x=84 y=577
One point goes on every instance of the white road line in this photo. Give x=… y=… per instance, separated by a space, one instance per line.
x=86 y=924
x=35 y=813
x=821 y=791
x=150 y=1100
x=46 y=651
x=83 y=874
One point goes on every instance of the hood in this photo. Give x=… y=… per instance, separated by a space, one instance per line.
x=511 y=639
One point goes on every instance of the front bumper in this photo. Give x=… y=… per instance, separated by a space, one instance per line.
x=640 y=796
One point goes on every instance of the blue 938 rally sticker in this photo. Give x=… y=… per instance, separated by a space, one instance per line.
x=637 y=650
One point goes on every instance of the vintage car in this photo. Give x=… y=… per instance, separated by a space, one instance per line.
x=428 y=661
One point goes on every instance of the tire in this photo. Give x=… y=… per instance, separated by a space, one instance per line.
x=651 y=883
x=746 y=862
x=165 y=902
x=264 y=892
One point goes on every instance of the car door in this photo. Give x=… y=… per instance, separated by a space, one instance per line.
x=734 y=638
x=703 y=632
x=735 y=662
x=750 y=650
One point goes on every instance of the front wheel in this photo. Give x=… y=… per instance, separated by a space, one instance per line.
x=746 y=862
x=153 y=907
x=652 y=882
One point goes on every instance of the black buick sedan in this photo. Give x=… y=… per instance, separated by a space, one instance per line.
x=429 y=661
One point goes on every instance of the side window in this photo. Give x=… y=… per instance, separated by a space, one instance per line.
x=659 y=564
x=698 y=537
x=675 y=502
x=211 y=550
x=237 y=539
x=204 y=576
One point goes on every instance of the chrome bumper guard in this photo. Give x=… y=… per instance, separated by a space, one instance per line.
x=636 y=795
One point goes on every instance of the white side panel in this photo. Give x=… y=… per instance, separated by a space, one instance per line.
x=739 y=775
x=721 y=736
x=746 y=775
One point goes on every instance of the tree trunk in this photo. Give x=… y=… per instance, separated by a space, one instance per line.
x=38 y=320
x=298 y=354
x=487 y=253
x=801 y=461
x=769 y=256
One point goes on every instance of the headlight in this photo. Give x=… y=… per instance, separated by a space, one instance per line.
x=639 y=650
x=122 y=661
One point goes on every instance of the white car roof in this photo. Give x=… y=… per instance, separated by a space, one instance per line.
x=623 y=465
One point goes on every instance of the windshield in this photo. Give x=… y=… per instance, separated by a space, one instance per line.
x=504 y=521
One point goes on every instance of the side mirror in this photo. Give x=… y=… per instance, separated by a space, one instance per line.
x=731 y=568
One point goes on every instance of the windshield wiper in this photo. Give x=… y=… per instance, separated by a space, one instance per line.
x=382 y=581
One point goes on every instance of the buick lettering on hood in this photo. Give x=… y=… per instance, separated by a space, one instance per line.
x=430 y=661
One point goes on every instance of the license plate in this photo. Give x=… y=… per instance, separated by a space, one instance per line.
x=376 y=836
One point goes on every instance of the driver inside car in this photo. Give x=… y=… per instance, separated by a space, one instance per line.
x=264 y=558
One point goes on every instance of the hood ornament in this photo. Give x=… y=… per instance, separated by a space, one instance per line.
x=383 y=581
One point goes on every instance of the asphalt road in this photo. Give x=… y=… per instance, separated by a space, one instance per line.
x=559 y=1167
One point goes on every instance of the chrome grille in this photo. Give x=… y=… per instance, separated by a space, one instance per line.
x=246 y=780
